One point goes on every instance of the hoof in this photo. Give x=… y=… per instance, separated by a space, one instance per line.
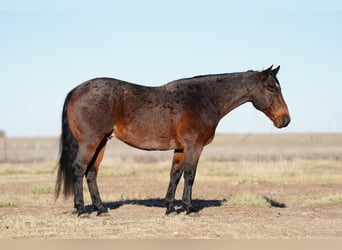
x=83 y=215
x=193 y=214
x=171 y=212
x=81 y=212
x=103 y=212
x=190 y=210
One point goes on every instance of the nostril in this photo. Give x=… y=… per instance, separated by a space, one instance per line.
x=286 y=120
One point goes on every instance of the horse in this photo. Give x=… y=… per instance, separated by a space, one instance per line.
x=181 y=115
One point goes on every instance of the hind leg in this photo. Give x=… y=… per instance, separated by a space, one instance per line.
x=84 y=157
x=91 y=176
x=78 y=189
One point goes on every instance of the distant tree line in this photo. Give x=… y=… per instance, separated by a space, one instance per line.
x=2 y=133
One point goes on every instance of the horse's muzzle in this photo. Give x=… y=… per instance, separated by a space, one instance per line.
x=282 y=122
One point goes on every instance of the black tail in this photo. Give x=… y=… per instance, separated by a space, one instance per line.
x=68 y=149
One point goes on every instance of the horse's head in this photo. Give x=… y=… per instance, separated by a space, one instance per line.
x=267 y=97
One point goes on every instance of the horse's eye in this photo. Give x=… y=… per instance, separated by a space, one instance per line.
x=271 y=88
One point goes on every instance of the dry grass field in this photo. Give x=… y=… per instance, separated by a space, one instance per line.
x=275 y=186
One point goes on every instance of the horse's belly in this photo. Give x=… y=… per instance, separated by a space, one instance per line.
x=146 y=137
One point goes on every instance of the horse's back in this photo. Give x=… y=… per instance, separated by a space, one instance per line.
x=138 y=115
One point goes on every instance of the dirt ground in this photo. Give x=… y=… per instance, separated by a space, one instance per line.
x=247 y=187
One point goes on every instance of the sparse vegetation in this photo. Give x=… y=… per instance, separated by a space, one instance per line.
x=26 y=168
x=5 y=203
x=40 y=189
x=246 y=200
x=255 y=186
x=328 y=200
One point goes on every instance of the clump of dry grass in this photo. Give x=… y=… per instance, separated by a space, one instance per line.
x=329 y=200
x=7 y=200
x=246 y=200
x=6 y=203
x=41 y=189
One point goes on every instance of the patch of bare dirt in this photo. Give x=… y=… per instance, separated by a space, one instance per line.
x=137 y=211
x=289 y=195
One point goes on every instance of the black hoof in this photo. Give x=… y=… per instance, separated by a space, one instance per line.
x=190 y=210
x=193 y=214
x=83 y=215
x=81 y=212
x=102 y=212
x=106 y=214
x=171 y=211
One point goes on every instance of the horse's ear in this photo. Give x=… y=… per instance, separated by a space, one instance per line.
x=265 y=73
x=268 y=69
x=275 y=71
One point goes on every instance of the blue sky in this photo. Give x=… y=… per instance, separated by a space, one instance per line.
x=49 y=47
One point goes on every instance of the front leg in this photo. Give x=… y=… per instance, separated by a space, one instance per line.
x=175 y=174
x=190 y=166
x=189 y=178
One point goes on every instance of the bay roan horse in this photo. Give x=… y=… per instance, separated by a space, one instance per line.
x=181 y=115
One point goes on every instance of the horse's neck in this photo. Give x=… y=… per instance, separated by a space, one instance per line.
x=225 y=91
x=233 y=90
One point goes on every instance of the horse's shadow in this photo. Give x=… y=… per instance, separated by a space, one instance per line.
x=157 y=202
x=160 y=203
